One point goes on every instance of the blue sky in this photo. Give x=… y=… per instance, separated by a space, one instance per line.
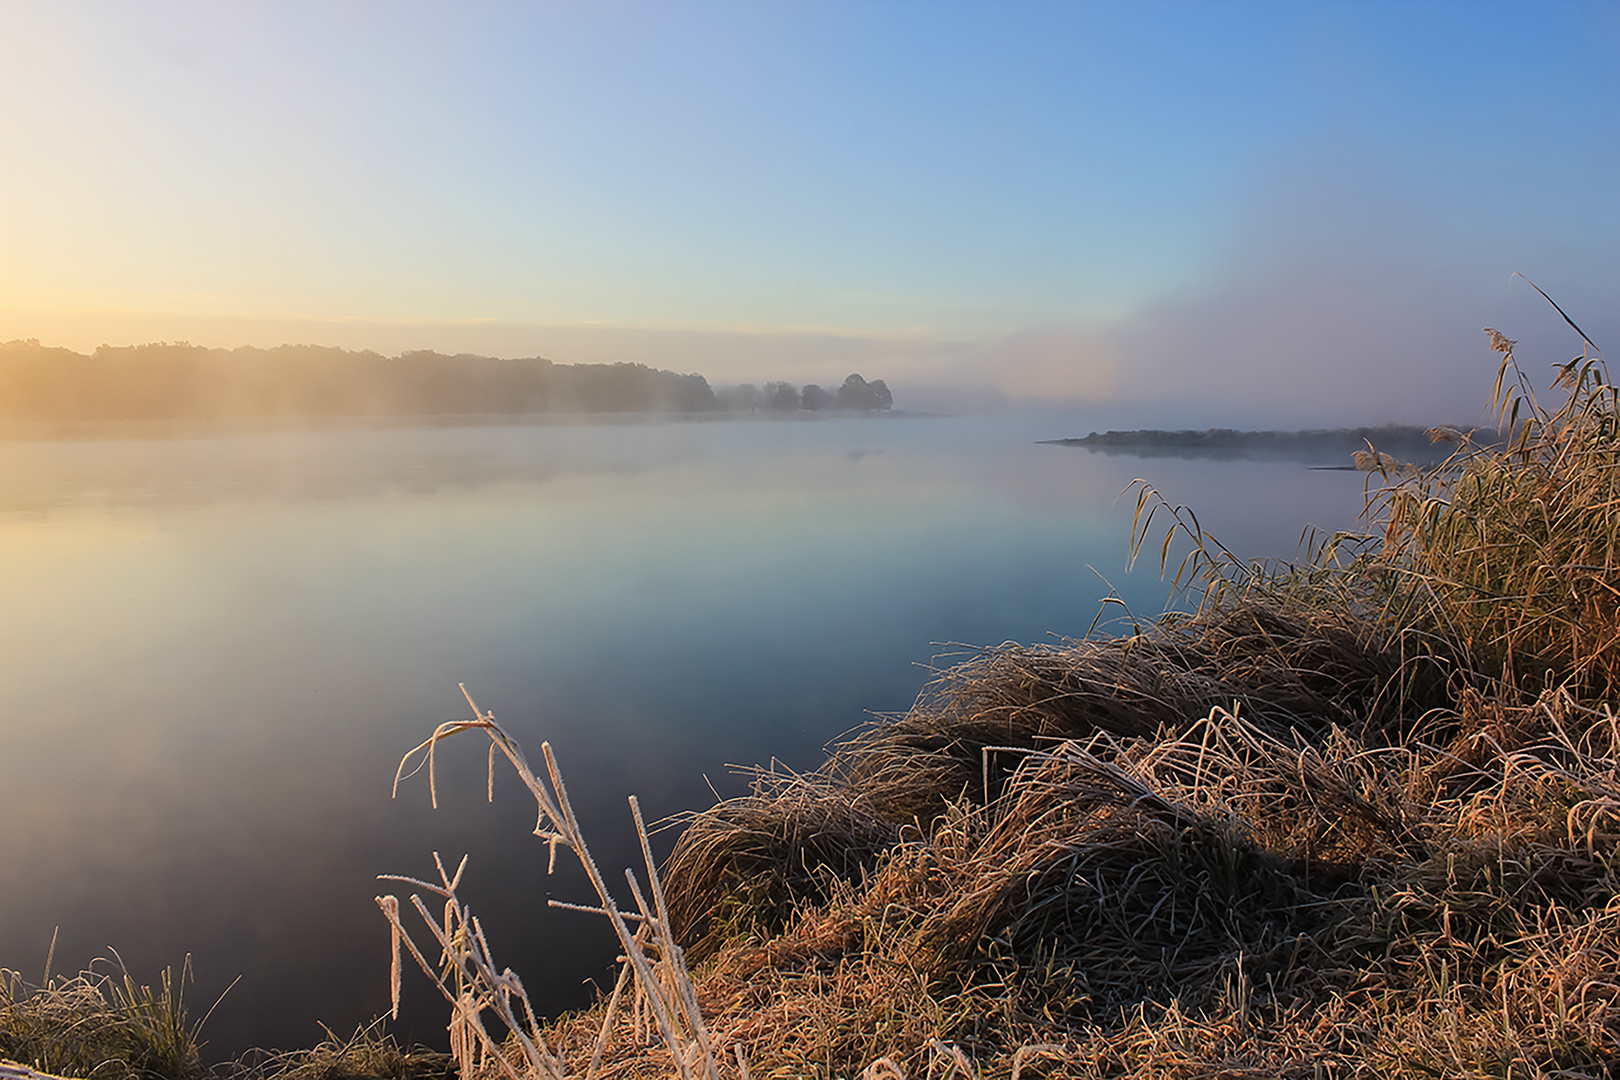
x=1254 y=212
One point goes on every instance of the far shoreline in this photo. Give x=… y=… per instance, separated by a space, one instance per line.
x=1314 y=446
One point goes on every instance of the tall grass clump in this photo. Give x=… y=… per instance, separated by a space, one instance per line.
x=1516 y=553
x=101 y=1025
x=1357 y=815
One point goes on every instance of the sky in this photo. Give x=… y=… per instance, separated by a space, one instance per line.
x=1166 y=213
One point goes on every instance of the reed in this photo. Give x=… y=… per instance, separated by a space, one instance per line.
x=653 y=963
x=1514 y=551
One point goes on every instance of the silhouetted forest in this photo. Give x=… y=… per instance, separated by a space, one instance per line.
x=184 y=382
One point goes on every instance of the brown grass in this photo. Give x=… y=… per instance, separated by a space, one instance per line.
x=744 y=865
x=368 y=1054
x=1213 y=898
x=100 y=1024
x=1514 y=552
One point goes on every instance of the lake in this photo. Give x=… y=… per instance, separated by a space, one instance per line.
x=215 y=648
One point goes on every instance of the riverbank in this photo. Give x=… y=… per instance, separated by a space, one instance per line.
x=1335 y=445
x=1263 y=842
x=1357 y=816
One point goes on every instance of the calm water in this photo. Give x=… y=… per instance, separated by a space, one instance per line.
x=214 y=650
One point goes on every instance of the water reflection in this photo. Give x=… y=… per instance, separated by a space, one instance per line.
x=215 y=648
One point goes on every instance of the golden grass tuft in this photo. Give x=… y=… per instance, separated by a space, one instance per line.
x=100 y=1024
x=1514 y=552
x=368 y=1054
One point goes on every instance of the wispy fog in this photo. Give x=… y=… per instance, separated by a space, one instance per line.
x=1346 y=296
x=1340 y=302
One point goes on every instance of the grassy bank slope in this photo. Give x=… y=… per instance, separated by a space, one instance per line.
x=1356 y=816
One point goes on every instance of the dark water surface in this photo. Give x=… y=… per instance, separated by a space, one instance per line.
x=213 y=652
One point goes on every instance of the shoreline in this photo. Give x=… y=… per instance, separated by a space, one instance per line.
x=1311 y=445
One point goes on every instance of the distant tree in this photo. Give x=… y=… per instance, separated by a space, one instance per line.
x=857 y=393
x=744 y=398
x=781 y=396
x=816 y=399
x=685 y=393
x=41 y=382
x=617 y=388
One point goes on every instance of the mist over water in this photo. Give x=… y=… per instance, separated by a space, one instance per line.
x=215 y=649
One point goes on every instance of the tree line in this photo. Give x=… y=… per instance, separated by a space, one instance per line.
x=183 y=381
x=855 y=395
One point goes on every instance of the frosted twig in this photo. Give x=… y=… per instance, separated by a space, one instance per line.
x=664 y=986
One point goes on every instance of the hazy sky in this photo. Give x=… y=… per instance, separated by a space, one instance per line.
x=1248 y=212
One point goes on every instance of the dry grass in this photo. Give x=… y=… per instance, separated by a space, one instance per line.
x=1212 y=898
x=663 y=998
x=744 y=865
x=100 y=1024
x=369 y=1054
x=1516 y=552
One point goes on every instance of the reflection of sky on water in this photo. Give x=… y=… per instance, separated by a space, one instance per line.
x=213 y=651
